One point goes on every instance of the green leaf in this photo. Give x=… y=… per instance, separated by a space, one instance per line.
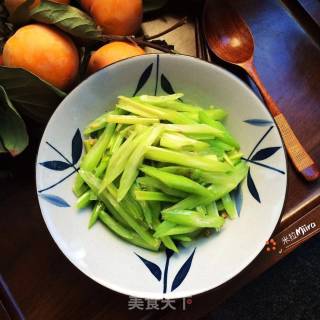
x=153 y=5
x=13 y=133
x=31 y=95
x=69 y=19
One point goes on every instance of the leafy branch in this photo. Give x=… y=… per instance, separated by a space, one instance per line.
x=80 y=25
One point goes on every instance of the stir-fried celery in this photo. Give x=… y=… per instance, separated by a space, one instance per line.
x=158 y=171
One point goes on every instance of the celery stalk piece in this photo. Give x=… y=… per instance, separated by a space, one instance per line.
x=194 y=129
x=93 y=196
x=147 y=212
x=155 y=209
x=136 y=107
x=138 y=241
x=131 y=171
x=230 y=206
x=88 y=144
x=95 y=184
x=175 y=181
x=117 y=143
x=124 y=233
x=78 y=185
x=127 y=203
x=216 y=114
x=112 y=140
x=92 y=158
x=223 y=179
x=114 y=225
x=101 y=168
x=84 y=200
x=128 y=119
x=135 y=205
x=217 y=192
x=227 y=159
x=182 y=237
x=220 y=145
x=235 y=156
x=160 y=99
x=99 y=206
x=192 y=115
x=166 y=155
x=168 y=243
x=226 y=136
x=202 y=210
x=80 y=191
x=134 y=110
x=183 y=171
x=167 y=228
x=181 y=142
x=118 y=160
x=149 y=182
x=193 y=219
x=97 y=124
x=212 y=209
x=216 y=178
x=153 y=196
x=219 y=204
x=174 y=105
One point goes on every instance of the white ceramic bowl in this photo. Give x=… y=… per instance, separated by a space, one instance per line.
x=209 y=262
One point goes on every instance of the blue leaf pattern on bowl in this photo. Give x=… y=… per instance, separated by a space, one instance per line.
x=264 y=153
x=166 y=85
x=182 y=273
x=56 y=165
x=154 y=269
x=55 y=200
x=252 y=187
x=143 y=78
x=258 y=122
x=76 y=147
x=76 y=151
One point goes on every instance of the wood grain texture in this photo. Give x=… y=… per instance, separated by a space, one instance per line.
x=307 y=13
x=230 y=38
x=47 y=286
x=312 y=7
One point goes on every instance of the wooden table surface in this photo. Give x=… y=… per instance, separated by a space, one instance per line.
x=47 y=286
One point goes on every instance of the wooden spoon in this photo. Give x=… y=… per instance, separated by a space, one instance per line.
x=230 y=39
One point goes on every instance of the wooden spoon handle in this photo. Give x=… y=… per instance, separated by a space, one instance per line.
x=299 y=156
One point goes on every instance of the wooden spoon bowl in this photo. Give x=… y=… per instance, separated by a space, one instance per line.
x=230 y=38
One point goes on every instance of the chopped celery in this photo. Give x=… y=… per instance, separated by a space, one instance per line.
x=230 y=206
x=130 y=119
x=153 y=196
x=158 y=170
x=166 y=155
x=175 y=181
x=181 y=142
x=193 y=219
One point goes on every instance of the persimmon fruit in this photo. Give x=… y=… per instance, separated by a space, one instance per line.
x=117 y=17
x=44 y=51
x=112 y=52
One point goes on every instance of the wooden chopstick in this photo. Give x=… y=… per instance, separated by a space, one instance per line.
x=9 y=302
